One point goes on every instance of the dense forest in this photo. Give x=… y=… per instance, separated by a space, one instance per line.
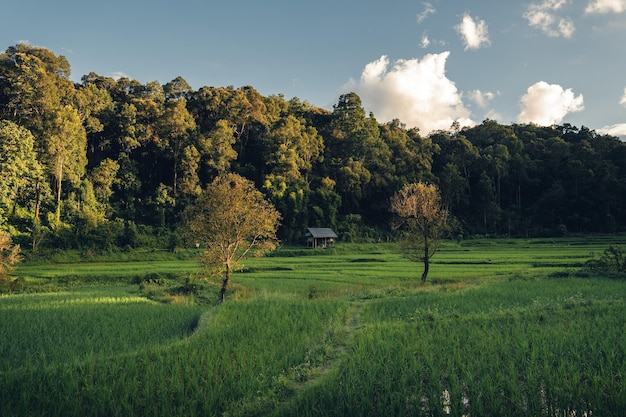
x=110 y=163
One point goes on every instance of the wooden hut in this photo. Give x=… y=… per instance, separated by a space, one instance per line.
x=319 y=237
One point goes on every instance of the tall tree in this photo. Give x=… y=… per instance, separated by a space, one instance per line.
x=411 y=154
x=189 y=185
x=20 y=170
x=292 y=148
x=126 y=189
x=102 y=178
x=148 y=102
x=355 y=152
x=66 y=151
x=218 y=146
x=424 y=219
x=177 y=88
x=177 y=126
x=92 y=104
x=324 y=204
x=34 y=85
x=35 y=91
x=232 y=220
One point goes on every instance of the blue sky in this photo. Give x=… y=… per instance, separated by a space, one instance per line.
x=425 y=63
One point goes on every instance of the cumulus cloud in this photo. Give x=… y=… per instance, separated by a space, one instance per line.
x=480 y=98
x=417 y=92
x=428 y=10
x=618 y=130
x=474 y=33
x=493 y=115
x=543 y=16
x=547 y=104
x=605 y=6
x=118 y=75
x=566 y=28
x=425 y=41
x=483 y=101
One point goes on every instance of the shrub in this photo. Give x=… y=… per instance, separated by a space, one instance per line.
x=612 y=261
x=9 y=255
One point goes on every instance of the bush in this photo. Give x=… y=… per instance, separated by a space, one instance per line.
x=9 y=255
x=612 y=261
x=8 y=286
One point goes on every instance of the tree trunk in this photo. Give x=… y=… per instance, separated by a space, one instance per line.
x=175 y=177
x=426 y=266
x=37 y=199
x=426 y=260
x=58 y=212
x=225 y=283
x=59 y=184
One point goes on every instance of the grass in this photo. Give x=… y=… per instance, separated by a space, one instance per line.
x=107 y=271
x=502 y=327
x=45 y=330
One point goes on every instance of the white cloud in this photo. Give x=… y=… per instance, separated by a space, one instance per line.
x=483 y=100
x=493 y=115
x=566 y=28
x=606 y=6
x=426 y=41
x=474 y=34
x=542 y=16
x=547 y=104
x=480 y=98
x=618 y=130
x=428 y=10
x=118 y=74
x=417 y=92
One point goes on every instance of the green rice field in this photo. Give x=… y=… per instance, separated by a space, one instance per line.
x=503 y=327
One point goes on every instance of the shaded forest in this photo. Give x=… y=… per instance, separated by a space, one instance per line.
x=110 y=163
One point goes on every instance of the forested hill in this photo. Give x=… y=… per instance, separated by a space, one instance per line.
x=107 y=162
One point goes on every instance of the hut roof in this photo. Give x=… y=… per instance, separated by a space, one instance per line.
x=321 y=232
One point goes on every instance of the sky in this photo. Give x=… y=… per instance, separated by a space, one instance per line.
x=426 y=63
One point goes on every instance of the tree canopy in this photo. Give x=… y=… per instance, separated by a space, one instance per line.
x=231 y=220
x=113 y=162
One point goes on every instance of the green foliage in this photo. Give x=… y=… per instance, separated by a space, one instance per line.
x=322 y=333
x=84 y=326
x=149 y=149
x=611 y=261
x=9 y=255
x=231 y=221
x=19 y=168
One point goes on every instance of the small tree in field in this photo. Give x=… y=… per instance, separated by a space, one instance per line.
x=424 y=220
x=233 y=221
x=9 y=255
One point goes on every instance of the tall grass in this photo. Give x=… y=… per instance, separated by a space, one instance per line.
x=42 y=330
x=501 y=328
x=242 y=360
x=450 y=354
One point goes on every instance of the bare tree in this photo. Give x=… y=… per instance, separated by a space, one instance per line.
x=423 y=220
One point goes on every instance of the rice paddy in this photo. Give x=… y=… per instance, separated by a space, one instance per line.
x=502 y=327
